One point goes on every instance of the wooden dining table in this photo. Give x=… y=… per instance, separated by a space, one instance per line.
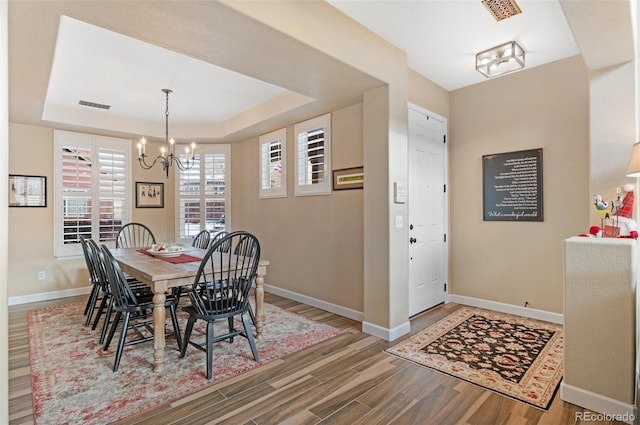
x=161 y=275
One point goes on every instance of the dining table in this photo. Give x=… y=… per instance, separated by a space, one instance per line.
x=162 y=274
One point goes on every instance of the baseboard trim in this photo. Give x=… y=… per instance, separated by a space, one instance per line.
x=613 y=410
x=314 y=302
x=531 y=313
x=385 y=333
x=47 y=296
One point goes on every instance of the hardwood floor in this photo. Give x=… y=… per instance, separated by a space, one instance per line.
x=345 y=380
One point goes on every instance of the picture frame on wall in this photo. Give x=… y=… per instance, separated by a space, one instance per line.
x=348 y=178
x=149 y=195
x=27 y=191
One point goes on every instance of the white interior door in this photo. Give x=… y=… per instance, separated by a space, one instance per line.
x=427 y=206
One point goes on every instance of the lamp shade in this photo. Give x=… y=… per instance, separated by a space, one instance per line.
x=633 y=170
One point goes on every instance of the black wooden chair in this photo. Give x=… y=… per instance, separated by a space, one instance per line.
x=133 y=310
x=221 y=290
x=97 y=291
x=201 y=240
x=135 y=235
x=220 y=235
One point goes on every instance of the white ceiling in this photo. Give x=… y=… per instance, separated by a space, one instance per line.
x=442 y=37
x=124 y=55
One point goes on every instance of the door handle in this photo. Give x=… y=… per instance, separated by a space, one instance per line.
x=413 y=240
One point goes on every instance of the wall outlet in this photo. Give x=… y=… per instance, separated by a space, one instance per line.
x=42 y=275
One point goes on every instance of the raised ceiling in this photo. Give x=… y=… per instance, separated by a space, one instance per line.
x=234 y=78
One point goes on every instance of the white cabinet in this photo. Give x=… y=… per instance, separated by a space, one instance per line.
x=600 y=324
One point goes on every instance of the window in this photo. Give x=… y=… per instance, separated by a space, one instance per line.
x=273 y=164
x=92 y=189
x=204 y=193
x=313 y=156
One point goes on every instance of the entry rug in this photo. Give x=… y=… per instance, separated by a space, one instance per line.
x=514 y=356
x=73 y=381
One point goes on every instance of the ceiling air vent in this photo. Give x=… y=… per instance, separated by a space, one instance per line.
x=94 y=105
x=502 y=9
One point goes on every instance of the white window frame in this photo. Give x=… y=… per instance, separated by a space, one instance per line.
x=95 y=143
x=204 y=149
x=301 y=131
x=267 y=190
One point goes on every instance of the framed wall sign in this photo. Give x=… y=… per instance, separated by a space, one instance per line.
x=149 y=195
x=348 y=178
x=27 y=191
x=512 y=186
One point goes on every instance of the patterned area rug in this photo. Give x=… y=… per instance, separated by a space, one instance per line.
x=514 y=356
x=73 y=381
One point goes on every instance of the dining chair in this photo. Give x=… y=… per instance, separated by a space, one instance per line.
x=201 y=240
x=94 y=279
x=133 y=310
x=134 y=235
x=216 y=238
x=106 y=304
x=221 y=290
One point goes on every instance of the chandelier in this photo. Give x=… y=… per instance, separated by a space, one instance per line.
x=167 y=155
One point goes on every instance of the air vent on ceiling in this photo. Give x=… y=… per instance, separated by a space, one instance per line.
x=502 y=9
x=94 y=105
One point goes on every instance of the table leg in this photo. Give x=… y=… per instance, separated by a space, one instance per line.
x=260 y=301
x=159 y=316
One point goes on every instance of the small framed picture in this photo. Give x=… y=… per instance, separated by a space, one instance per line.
x=149 y=195
x=348 y=178
x=27 y=191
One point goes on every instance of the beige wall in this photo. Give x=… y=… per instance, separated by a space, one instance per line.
x=543 y=107
x=31 y=229
x=314 y=243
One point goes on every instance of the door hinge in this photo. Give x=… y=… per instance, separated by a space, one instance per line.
x=444 y=138
x=445 y=188
x=445 y=237
x=445 y=287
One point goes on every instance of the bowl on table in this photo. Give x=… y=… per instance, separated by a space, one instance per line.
x=166 y=251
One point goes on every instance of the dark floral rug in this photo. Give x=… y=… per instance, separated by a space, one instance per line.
x=514 y=356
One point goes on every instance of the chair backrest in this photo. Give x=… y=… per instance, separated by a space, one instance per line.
x=90 y=260
x=216 y=238
x=224 y=280
x=134 y=235
x=121 y=292
x=98 y=265
x=201 y=240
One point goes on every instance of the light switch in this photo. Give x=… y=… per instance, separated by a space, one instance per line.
x=398 y=222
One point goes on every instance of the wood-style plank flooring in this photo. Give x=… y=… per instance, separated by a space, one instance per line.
x=345 y=380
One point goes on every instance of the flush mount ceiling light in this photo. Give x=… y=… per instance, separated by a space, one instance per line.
x=499 y=60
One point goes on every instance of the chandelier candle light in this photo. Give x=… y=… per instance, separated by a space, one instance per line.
x=167 y=155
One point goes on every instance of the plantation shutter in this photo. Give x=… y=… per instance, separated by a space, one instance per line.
x=91 y=190
x=273 y=173
x=203 y=195
x=313 y=157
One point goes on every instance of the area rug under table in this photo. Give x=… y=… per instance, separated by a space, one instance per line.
x=514 y=356
x=73 y=381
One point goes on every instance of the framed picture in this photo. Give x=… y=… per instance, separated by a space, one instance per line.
x=149 y=195
x=348 y=178
x=512 y=186
x=27 y=191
